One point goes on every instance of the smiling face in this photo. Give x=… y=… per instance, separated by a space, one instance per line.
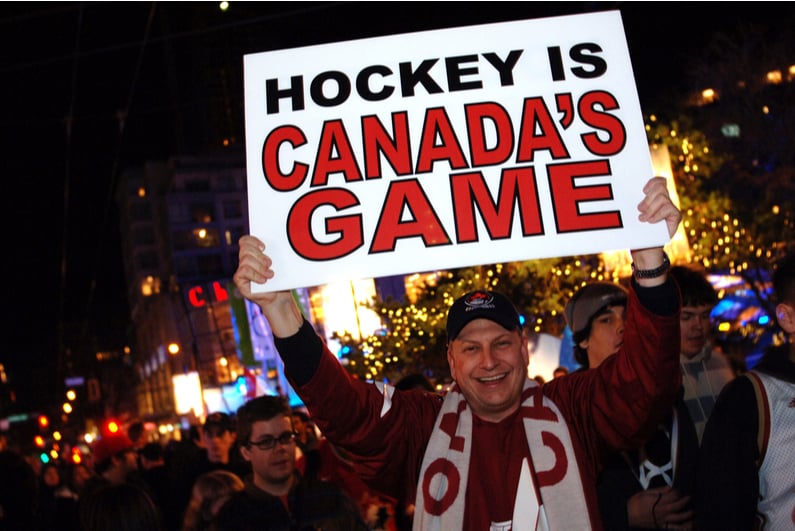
x=606 y=337
x=489 y=364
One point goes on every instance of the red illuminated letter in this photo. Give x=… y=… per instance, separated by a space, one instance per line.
x=196 y=297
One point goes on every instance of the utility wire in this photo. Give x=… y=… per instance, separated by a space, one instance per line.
x=68 y=121
x=115 y=170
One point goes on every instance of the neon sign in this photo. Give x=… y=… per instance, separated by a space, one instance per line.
x=198 y=296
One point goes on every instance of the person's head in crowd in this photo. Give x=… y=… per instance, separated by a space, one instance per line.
x=242 y=512
x=50 y=475
x=267 y=441
x=784 y=292
x=34 y=461
x=115 y=457
x=305 y=429
x=595 y=315
x=152 y=454
x=79 y=474
x=210 y=491
x=119 y=507
x=218 y=437
x=18 y=485
x=414 y=381
x=698 y=300
x=137 y=434
x=560 y=371
x=487 y=321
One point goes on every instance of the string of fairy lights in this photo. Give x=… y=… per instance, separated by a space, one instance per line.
x=717 y=240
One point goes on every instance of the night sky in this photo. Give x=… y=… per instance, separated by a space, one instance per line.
x=90 y=89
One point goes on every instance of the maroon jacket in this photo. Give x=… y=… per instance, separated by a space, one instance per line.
x=609 y=408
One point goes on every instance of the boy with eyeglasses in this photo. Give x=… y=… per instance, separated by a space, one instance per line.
x=276 y=496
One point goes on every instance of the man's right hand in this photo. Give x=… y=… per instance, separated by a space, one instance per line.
x=278 y=307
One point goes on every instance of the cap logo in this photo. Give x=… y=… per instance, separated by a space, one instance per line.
x=479 y=300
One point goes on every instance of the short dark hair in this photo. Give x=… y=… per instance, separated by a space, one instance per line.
x=152 y=451
x=136 y=430
x=784 y=280
x=301 y=415
x=694 y=286
x=123 y=506
x=263 y=407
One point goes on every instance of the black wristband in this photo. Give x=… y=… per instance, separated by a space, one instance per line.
x=653 y=273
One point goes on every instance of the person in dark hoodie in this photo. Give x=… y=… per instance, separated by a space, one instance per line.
x=746 y=474
x=648 y=487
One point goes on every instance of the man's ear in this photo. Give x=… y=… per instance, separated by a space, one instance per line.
x=245 y=452
x=785 y=314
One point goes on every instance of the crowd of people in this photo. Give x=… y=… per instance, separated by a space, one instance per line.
x=654 y=430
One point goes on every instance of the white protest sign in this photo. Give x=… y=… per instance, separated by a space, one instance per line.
x=443 y=149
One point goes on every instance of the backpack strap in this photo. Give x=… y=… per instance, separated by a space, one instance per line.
x=763 y=412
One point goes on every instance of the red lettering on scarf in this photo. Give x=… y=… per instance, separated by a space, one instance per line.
x=538 y=410
x=558 y=471
x=450 y=472
x=448 y=425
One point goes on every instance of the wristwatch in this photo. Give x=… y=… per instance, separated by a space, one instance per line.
x=653 y=273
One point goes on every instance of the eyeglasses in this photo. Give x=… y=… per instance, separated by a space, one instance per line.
x=268 y=443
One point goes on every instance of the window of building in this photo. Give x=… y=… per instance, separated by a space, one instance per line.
x=203 y=212
x=195 y=238
x=227 y=183
x=202 y=185
x=143 y=236
x=150 y=286
x=233 y=234
x=210 y=264
x=232 y=209
x=186 y=266
x=140 y=211
x=205 y=237
x=147 y=260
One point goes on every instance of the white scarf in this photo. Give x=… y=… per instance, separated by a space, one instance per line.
x=441 y=490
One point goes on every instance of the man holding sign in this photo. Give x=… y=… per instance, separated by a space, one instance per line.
x=432 y=151
x=499 y=452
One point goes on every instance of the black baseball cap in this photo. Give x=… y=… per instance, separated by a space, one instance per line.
x=481 y=304
x=219 y=420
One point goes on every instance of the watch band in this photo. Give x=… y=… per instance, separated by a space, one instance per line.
x=653 y=273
